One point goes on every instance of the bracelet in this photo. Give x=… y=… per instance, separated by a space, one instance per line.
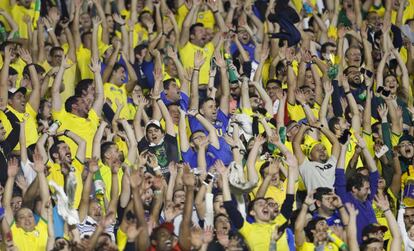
x=49 y=29
x=306 y=204
x=348 y=92
x=196 y=70
x=31 y=64
x=288 y=63
x=234 y=147
x=342 y=206
x=215 y=12
x=66 y=132
x=386 y=210
x=158 y=99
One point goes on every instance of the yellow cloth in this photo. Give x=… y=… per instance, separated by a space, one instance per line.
x=257 y=235
x=83 y=56
x=379 y=214
x=205 y=17
x=5 y=5
x=106 y=174
x=18 y=12
x=297 y=113
x=69 y=79
x=83 y=127
x=30 y=241
x=19 y=67
x=30 y=127
x=56 y=175
x=121 y=238
x=114 y=92
x=187 y=58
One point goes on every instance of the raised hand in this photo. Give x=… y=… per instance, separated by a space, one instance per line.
x=96 y=21
x=220 y=62
x=95 y=66
x=188 y=176
x=118 y=19
x=309 y=200
x=351 y=210
x=38 y=166
x=336 y=201
x=25 y=55
x=133 y=232
x=382 y=202
x=383 y=112
x=171 y=53
x=300 y=97
x=93 y=165
x=259 y=140
x=327 y=86
x=135 y=179
x=221 y=168
x=199 y=59
x=208 y=234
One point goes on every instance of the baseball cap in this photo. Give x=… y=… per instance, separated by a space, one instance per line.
x=406 y=137
x=15 y=90
x=153 y=122
x=373 y=228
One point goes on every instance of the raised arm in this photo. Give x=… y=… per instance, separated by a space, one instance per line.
x=224 y=85
x=300 y=221
x=87 y=186
x=198 y=62
x=325 y=103
x=39 y=167
x=12 y=170
x=212 y=133
x=56 y=99
x=384 y=205
x=297 y=150
x=113 y=203
x=99 y=93
x=80 y=152
x=4 y=75
x=185 y=226
x=75 y=24
x=182 y=133
x=188 y=21
x=132 y=142
x=351 y=229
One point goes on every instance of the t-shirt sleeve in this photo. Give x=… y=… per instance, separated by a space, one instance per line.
x=190 y=157
x=184 y=102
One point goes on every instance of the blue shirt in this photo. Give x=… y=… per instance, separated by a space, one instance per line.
x=212 y=154
x=184 y=100
x=249 y=47
x=220 y=124
x=366 y=213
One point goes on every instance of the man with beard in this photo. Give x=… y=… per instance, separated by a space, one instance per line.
x=317 y=169
x=358 y=189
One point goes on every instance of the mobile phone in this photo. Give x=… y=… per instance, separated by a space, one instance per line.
x=345 y=136
x=383 y=150
x=386 y=93
x=209 y=178
x=380 y=89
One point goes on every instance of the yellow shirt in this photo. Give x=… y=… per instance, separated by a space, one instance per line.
x=30 y=241
x=17 y=13
x=257 y=235
x=297 y=113
x=83 y=127
x=121 y=238
x=187 y=58
x=69 y=80
x=83 y=56
x=106 y=174
x=30 y=127
x=5 y=5
x=55 y=174
x=206 y=17
x=114 y=92
x=19 y=67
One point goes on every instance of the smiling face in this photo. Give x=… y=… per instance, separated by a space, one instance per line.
x=163 y=240
x=273 y=89
x=64 y=153
x=243 y=35
x=391 y=84
x=222 y=224
x=25 y=219
x=179 y=199
x=119 y=76
x=218 y=205
x=261 y=211
x=354 y=57
x=154 y=134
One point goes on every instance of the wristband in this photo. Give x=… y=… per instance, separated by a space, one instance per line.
x=66 y=132
x=386 y=210
x=31 y=64
x=306 y=204
x=215 y=12
x=196 y=70
x=234 y=147
x=158 y=99
x=348 y=92
x=342 y=206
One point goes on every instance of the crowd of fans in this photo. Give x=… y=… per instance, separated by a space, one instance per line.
x=207 y=125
